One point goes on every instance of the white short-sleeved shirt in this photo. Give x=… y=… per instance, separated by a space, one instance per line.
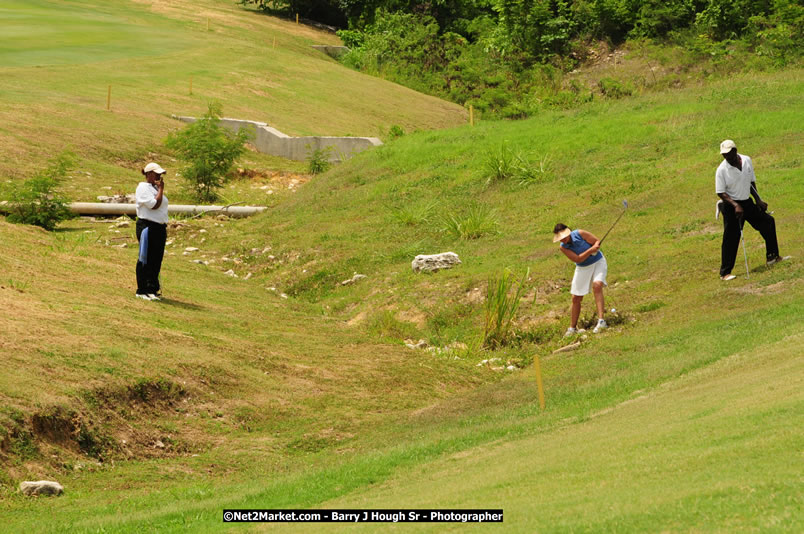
x=146 y=200
x=735 y=182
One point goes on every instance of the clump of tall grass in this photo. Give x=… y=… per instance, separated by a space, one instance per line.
x=501 y=305
x=504 y=163
x=412 y=215
x=480 y=220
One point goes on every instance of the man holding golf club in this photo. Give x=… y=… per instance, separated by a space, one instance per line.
x=590 y=271
x=735 y=183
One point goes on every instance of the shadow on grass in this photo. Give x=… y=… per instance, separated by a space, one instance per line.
x=180 y=304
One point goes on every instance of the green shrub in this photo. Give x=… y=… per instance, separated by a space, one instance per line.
x=318 y=159
x=501 y=304
x=210 y=150
x=480 y=220
x=614 y=88
x=37 y=202
x=395 y=131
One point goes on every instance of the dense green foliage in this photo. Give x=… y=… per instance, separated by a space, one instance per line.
x=37 y=202
x=210 y=151
x=508 y=57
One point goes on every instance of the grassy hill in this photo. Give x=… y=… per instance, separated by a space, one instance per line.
x=284 y=388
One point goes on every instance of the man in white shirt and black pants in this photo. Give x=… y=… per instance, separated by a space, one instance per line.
x=735 y=183
x=152 y=218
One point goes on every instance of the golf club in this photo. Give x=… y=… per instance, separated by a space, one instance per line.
x=625 y=208
x=745 y=254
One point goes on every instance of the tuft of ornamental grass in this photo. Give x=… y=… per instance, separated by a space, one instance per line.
x=501 y=304
x=478 y=221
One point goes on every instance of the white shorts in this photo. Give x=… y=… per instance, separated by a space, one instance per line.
x=584 y=276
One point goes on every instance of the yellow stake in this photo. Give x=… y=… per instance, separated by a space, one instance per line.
x=109 y=99
x=207 y=23
x=539 y=381
x=297 y=18
x=191 y=84
x=471 y=115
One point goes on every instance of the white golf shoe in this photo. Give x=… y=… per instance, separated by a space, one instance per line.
x=601 y=325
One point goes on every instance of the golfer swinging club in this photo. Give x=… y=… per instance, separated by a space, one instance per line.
x=590 y=271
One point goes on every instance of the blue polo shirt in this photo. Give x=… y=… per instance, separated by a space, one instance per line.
x=579 y=245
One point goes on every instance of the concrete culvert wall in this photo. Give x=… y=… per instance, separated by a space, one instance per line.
x=271 y=141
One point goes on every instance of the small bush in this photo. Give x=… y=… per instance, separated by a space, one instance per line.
x=501 y=305
x=614 y=89
x=318 y=159
x=211 y=151
x=36 y=201
x=395 y=131
x=480 y=220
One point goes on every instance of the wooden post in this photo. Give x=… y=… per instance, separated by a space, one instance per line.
x=297 y=18
x=539 y=385
x=109 y=99
x=207 y=23
x=191 y=84
x=471 y=115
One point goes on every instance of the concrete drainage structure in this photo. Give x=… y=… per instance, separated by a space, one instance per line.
x=271 y=141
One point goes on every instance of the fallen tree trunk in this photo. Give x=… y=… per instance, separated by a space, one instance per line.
x=97 y=208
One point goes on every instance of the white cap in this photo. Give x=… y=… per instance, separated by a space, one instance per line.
x=726 y=146
x=153 y=167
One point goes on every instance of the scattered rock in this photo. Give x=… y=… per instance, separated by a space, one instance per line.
x=271 y=288
x=249 y=275
x=41 y=487
x=434 y=262
x=512 y=368
x=118 y=199
x=191 y=249
x=201 y=262
x=421 y=344
x=353 y=279
x=283 y=295
x=159 y=444
x=123 y=224
x=230 y=273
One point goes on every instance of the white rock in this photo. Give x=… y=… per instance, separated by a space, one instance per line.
x=230 y=273
x=353 y=279
x=284 y=296
x=512 y=368
x=168 y=243
x=271 y=288
x=434 y=262
x=202 y=231
x=191 y=249
x=249 y=275
x=41 y=487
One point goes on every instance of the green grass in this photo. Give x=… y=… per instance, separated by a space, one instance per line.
x=683 y=416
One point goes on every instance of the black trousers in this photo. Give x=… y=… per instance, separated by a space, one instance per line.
x=148 y=273
x=760 y=220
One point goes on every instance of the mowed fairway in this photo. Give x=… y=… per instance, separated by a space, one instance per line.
x=719 y=449
x=58 y=59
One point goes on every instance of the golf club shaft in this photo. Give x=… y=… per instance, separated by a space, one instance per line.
x=745 y=254
x=612 y=226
